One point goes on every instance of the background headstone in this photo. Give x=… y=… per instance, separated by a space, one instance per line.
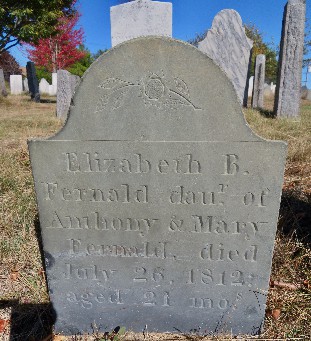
x=66 y=85
x=33 y=84
x=16 y=84
x=229 y=47
x=259 y=81
x=3 y=91
x=140 y=230
x=140 y=18
x=44 y=86
x=250 y=86
x=287 y=95
x=272 y=87
x=267 y=92
x=25 y=85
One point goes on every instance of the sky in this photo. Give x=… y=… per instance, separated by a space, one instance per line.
x=190 y=17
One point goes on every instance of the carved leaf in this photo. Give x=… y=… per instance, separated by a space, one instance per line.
x=112 y=83
x=117 y=98
x=103 y=101
x=181 y=87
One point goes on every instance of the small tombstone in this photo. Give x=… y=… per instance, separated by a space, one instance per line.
x=33 y=84
x=158 y=205
x=287 y=95
x=272 y=87
x=25 y=85
x=140 y=18
x=267 y=92
x=66 y=85
x=229 y=47
x=259 y=81
x=16 y=84
x=250 y=86
x=44 y=86
x=3 y=91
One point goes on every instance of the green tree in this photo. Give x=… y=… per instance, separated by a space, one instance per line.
x=80 y=66
x=30 y=20
x=260 y=47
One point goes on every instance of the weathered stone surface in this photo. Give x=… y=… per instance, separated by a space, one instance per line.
x=3 y=91
x=158 y=205
x=287 y=95
x=33 y=84
x=66 y=85
x=16 y=84
x=44 y=86
x=227 y=44
x=140 y=18
x=259 y=81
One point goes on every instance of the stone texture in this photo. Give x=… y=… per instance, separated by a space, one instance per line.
x=16 y=84
x=158 y=205
x=259 y=81
x=33 y=84
x=227 y=44
x=287 y=96
x=3 y=91
x=140 y=18
x=66 y=85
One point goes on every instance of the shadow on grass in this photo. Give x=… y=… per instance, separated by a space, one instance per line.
x=29 y=322
x=295 y=216
x=266 y=113
x=47 y=100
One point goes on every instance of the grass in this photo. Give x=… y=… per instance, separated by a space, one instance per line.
x=22 y=280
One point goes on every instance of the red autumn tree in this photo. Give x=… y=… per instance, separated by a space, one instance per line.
x=61 y=50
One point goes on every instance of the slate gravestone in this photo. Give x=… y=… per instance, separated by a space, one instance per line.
x=16 y=84
x=229 y=47
x=66 y=85
x=259 y=81
x=287 y=95
x=33 y=84
x=140 y=18
x=158 y=205
x=3 y=91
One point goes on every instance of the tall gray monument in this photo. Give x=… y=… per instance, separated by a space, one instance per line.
x=158 y=205
x=66 y=85
x=287 y=95
x=229 y=47
x=259 y=81
x=3 y=91
x=140 y=18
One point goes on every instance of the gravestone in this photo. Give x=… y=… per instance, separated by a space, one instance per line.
x=66 y=85
x=16 y=84
x=259 y=81
x=229 y=47
x=140 y=18
x=33 y=84
x=250 y=86
x=272 y=87
x=287 y=95
x=267 y=91
x=158 y=205
x=25 y=85
x=44 y=86
x=3 y=91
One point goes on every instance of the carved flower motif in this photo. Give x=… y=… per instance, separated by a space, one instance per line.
x=154 y=87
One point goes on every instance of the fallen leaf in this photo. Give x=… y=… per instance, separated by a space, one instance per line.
x=289 y=286
x=276 y=313
x=14 y=275
x=3 y=325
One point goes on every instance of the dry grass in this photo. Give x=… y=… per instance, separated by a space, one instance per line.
x=22 y=281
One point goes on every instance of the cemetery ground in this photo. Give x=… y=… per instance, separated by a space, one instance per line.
x=25 y=312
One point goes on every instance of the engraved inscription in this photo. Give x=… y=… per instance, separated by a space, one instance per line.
x=87 y=300
x=143 y=276
x=97 y=162
x=92 y=272
x=143 y=250
x=214 y=252
x=150 y=298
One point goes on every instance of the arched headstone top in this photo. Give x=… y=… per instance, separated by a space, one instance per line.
x=155 y=89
